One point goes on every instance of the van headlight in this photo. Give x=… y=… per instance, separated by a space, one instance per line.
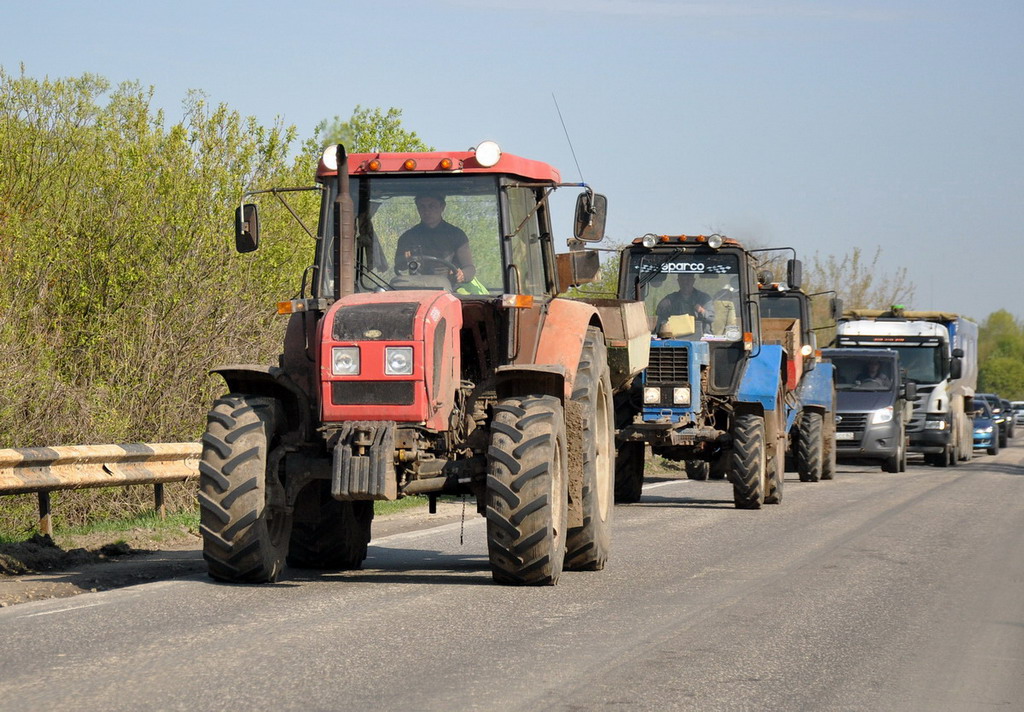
x=882 y=415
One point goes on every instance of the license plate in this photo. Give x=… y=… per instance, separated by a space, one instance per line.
x=845 y=436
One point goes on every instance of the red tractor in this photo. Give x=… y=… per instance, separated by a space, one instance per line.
x=431 y=356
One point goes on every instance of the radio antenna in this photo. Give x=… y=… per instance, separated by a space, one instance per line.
x=569 y=140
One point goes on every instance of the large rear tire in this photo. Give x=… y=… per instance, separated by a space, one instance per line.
x=326 y=533
x=629 y=472
x=587 y=546
x=748 y=462
x=810 y=447
x=527 y=491
x=243 y=520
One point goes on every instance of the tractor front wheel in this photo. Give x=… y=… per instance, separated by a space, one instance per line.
x=527 y=491
x=243 y=520
x=748 y=466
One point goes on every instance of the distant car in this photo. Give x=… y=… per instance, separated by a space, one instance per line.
x=1011 y=416
x=986 y=432
x=1018 y=410
x=1001 y=419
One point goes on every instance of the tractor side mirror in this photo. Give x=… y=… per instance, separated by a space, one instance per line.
x=577 y=267
x=794 y=274
x=591 y=211
x=837 y=308
x=247 y=228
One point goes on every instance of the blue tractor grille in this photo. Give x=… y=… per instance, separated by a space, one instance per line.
x=669 y=365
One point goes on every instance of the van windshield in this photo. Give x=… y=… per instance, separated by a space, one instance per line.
x=863 y=373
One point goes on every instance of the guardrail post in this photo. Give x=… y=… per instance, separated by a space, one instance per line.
x=158 y=500
x=45 y=520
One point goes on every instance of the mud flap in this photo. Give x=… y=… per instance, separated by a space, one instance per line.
x=364 y=464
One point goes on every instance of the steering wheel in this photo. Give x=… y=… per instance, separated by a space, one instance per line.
x=416 y=264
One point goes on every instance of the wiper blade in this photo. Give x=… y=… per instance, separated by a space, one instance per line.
x=642 y=281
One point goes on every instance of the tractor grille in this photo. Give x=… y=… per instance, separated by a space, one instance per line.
x=669 y=365
x=376 y=322
x=373 y=392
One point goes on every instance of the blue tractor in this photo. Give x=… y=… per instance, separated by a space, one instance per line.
x=714 y=393
x=786 y=315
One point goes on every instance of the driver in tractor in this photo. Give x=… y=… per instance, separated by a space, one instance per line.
x=434 y=246
x=686 y=300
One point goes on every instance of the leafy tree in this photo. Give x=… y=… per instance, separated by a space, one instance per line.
x=1001 y=355
x=119 y=289
x=370 y=131
x=861 y=282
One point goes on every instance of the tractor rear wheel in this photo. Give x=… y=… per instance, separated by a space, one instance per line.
x=527 y=491
x=327 y=533
x=810 y=448
x=243 y=520
x=587 y=545
x=748 y=462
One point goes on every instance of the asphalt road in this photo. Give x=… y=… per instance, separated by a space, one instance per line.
x=870 y=592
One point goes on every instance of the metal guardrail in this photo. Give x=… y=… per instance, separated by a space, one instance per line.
x=45 y=469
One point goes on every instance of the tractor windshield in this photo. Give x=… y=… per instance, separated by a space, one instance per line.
x=780 y=305
x=433 y=232
x=689 y=294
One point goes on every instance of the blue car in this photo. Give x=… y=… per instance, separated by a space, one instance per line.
x=986 y=434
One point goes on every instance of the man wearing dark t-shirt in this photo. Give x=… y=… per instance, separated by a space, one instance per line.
x=433 y=237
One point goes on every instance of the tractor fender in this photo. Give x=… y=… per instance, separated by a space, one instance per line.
x=530 y=379
x=271 y=382
x=762 y=379
x=815 y=389
x=561 y=337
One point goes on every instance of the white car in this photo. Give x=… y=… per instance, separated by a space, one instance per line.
x=1018 y=412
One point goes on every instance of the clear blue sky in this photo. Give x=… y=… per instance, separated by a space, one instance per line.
x=817 y=124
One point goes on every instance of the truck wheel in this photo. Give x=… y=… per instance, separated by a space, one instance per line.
x=243 y=519
x=527 y=491
x=629 y=472
x=748 y=464
x=327 y=533
x=697 y=469
x=586 y=547
x=810 y=447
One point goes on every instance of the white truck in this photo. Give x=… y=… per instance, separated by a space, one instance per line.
x=939 y=351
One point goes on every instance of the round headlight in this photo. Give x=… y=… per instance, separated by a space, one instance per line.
x=488 y=153
x=650 y=240
x=715 y=241
x=330 y=158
